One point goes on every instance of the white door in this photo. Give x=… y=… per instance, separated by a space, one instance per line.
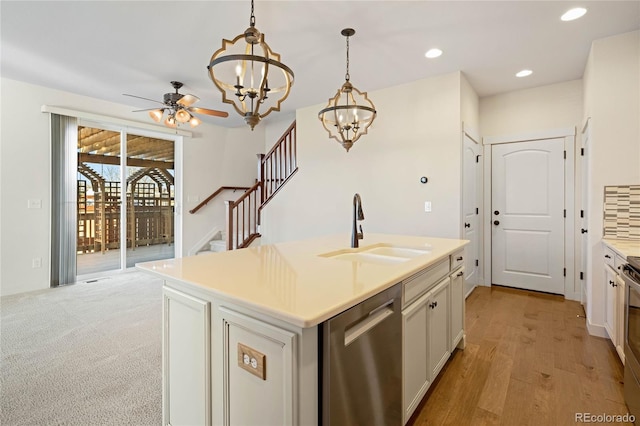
x=470 y=210
x=584 y=155
x=527 y=215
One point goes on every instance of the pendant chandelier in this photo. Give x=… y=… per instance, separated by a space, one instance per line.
x=349 y=113
x=250 y=75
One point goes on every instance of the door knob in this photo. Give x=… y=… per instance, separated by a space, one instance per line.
x=467 y=225
x=496 y=222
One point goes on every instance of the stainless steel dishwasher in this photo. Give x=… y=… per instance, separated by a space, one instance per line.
x=362 y=363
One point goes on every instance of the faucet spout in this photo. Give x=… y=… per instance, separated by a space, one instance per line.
x=358 y=214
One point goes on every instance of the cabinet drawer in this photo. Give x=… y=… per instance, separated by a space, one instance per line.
x=609 y=257
x=457 y=259
x=618 y=262
x=416 y=285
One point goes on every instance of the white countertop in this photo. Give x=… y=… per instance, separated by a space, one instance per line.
x=623 y=247
x=291 y=282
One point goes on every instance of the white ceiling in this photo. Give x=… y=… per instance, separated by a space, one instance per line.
x=103 y=49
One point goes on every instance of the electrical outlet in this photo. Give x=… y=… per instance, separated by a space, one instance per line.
x=34 y=203
x=252 y=361
x=36 y=262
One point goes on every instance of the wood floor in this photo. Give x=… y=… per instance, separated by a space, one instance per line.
x=529 y=360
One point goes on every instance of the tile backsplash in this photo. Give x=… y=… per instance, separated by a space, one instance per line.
x=622 y=212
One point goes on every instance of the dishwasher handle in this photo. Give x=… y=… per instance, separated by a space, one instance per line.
x=367 y=322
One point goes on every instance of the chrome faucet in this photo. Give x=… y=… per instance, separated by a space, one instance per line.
x=357 y=215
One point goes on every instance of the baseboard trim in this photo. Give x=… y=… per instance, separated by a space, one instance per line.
x=596 y=329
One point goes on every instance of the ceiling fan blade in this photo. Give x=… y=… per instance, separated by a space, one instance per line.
x=149 y=109
x=188 y=100
x=146 y=99
x=212 y=112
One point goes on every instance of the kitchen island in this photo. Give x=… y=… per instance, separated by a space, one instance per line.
x=242 y=328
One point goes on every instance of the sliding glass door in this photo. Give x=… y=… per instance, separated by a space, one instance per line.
x=125 y=198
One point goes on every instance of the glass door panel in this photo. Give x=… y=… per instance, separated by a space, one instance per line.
x=98 y=207
x=150 y=199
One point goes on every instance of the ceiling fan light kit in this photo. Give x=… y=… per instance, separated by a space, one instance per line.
x=349 y=114
x=250 y=75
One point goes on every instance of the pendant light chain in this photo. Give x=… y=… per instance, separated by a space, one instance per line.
x=252 y=19
x=347 y=76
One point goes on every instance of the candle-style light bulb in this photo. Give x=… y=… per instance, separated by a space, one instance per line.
x=238 y=74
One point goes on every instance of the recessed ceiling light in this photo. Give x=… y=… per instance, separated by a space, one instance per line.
x=433 y=53
x=524 y=73
x=572 y=14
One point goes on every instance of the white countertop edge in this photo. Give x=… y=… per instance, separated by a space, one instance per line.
x=624 y=248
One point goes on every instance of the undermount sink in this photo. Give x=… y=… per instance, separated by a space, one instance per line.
x=378 y=253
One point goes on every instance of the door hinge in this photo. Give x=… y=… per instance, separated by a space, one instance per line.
x=564 y=272
x=582 y=152
x=477 y=262
x=565 y=154
x=582 y=275
x=581 y=213
x=477 y=211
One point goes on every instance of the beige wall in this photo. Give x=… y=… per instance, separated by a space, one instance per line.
x=416 y=133
x=556 y=106
x=612 y=101
x=213 y=157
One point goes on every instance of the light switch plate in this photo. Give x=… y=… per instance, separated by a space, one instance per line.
x=257 y=361
x=427 y=206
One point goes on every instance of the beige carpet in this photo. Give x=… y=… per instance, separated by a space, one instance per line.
x=84 y=354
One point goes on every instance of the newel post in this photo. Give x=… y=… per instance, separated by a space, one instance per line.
x=261 y=177
x=229 y=220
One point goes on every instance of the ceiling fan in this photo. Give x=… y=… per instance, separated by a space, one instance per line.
x=179 y=108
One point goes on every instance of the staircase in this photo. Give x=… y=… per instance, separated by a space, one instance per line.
x=242 y=223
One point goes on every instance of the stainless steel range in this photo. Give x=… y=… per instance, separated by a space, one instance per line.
x=631 y=275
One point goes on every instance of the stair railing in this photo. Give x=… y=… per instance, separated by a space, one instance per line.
x=277 y=166
x=242 y=218
x=215 y=194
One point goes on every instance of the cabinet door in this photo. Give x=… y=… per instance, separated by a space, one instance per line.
x=186 y=360
x=620 y=307
x=457 y=308
x=258 y=366
x=416 y=373
x=610 y=304
x=439 y=326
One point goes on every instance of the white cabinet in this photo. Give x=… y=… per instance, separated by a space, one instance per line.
x=257 y=366
x=438 y=324
x=610 y=305
x=432 y=327
x=416 y=370
x=457 y=309
x=614 y=299
x=186 y=360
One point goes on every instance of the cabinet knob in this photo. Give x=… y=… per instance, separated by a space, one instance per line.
x=460 y=274
x=606 y=256
x=611 y=283
x=496 y=212
x=496 y=222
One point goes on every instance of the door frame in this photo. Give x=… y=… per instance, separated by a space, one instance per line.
x=572 y=289
x=474 y=135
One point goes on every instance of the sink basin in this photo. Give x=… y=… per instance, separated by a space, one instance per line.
x=409 y=253
x=378 y=253
x=370 y=258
